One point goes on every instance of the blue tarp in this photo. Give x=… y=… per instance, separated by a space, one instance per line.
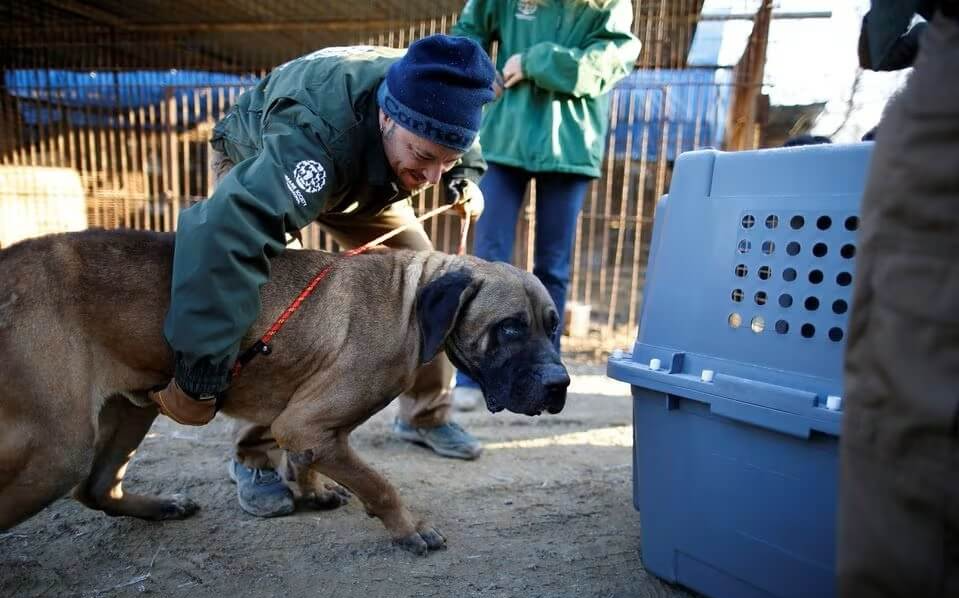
x=689 y=106
x=96 y=98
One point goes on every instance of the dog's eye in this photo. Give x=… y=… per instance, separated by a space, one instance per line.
x=552 y=323
x=512 y=330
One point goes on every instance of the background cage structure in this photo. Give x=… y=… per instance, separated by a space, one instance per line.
x=126 y=94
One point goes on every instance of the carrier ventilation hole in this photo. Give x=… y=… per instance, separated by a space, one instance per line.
x=735 y=320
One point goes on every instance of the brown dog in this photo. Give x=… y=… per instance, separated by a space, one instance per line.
x=81 y=342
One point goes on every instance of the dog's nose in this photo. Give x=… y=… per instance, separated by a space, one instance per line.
x=556 y=380
x=554 y=376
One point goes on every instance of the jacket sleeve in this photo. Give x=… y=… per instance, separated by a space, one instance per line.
x=886 y=41
x=224 y=244
x=478 y=22
x=606 y=56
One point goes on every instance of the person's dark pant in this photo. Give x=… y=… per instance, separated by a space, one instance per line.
x=899 y=448
x=559 y=199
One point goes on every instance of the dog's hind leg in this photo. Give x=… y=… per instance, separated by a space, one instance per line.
x=121 y=428
x=34 y=472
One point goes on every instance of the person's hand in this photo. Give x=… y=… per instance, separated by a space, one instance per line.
x=466 y=197
x=498 y=86
x=176 y=404
x=513 y=71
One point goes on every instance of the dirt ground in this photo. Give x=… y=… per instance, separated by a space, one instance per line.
x=546 y=511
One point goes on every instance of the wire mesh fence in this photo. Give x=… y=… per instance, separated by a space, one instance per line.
x=126 y=98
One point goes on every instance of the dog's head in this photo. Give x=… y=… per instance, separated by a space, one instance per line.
x=496 y=324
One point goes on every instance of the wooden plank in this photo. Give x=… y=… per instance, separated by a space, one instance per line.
x=155 y=163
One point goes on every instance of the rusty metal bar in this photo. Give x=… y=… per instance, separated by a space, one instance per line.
x=623 y=213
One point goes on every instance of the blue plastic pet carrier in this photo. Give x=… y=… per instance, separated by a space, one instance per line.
x=736 y=373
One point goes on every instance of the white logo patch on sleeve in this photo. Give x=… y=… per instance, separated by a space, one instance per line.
x=294 y=192
x=310 y=176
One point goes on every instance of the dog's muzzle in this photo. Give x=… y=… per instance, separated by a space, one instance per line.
x=555 y=381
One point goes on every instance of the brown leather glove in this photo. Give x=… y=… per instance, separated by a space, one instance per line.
x=466 y=197
x=181 y=407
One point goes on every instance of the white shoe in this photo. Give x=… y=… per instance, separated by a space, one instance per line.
x=467 y=398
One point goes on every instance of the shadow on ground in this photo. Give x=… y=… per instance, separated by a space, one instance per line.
x=547 y=511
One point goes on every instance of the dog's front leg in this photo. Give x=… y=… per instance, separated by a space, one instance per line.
x=332 y=456
x=312 y=490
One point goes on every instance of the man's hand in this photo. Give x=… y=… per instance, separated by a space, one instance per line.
x=181 y=407
x=466 y=197
x=513 y=71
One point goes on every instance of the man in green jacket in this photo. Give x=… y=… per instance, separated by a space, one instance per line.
x=342 y=136
x=560 y=59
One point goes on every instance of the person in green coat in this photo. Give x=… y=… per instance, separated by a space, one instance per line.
x=559 y=60
x=341 y=136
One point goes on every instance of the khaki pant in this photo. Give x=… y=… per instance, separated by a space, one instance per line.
x=427 y=403
x=899 y=475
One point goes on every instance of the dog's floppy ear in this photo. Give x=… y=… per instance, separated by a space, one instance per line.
x=437 y=307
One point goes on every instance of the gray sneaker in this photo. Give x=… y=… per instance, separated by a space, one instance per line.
x=448 y=440
x=261 y=492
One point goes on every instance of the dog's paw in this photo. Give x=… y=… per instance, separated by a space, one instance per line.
x=422 y=541
x=177 y=506
x=433 y=538
x=333 y=497
x=339 y=490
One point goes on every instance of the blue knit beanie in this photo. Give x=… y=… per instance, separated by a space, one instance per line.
x=438 y=89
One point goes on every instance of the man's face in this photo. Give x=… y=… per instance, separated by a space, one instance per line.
x=418 y=162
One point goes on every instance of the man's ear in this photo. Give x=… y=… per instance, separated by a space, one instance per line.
x=438 y=305
x=384 y=120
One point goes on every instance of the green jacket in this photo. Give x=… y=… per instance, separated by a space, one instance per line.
x=305 y=141
x=574 y=52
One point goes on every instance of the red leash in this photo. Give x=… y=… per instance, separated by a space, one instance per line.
x=262 y=346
